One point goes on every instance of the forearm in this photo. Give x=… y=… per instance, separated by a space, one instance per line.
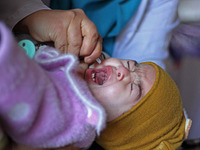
x=14 y=11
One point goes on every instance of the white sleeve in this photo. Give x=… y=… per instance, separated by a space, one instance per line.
x=147 y=35
x=12 y=11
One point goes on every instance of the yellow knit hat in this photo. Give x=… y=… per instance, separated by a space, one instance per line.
x=156 y=122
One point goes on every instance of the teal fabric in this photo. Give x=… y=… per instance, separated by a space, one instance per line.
x=110 y=16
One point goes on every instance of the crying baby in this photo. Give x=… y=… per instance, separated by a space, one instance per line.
x=142 y=102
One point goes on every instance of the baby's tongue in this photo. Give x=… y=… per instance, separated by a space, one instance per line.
x=100 y=77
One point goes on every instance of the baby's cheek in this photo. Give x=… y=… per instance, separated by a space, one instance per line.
x=103 y=93
x=110 y=92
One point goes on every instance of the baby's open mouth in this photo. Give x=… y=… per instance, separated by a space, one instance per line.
x=98 y=76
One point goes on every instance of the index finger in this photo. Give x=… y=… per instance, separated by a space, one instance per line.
x=90 y=37
x=95 y=53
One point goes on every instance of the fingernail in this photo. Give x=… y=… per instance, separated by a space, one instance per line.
x=88 y=60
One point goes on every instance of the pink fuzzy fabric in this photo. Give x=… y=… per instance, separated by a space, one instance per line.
x=43 y=102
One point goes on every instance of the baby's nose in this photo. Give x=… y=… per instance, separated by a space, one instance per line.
x=121 y=72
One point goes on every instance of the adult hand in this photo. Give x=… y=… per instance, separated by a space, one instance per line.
x=70 y=30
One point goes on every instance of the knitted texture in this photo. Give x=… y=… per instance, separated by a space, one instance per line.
x=156 y=122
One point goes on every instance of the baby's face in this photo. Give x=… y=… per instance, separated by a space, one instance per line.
x=119 y=84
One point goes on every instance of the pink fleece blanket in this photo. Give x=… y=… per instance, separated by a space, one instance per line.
x=43 y=102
